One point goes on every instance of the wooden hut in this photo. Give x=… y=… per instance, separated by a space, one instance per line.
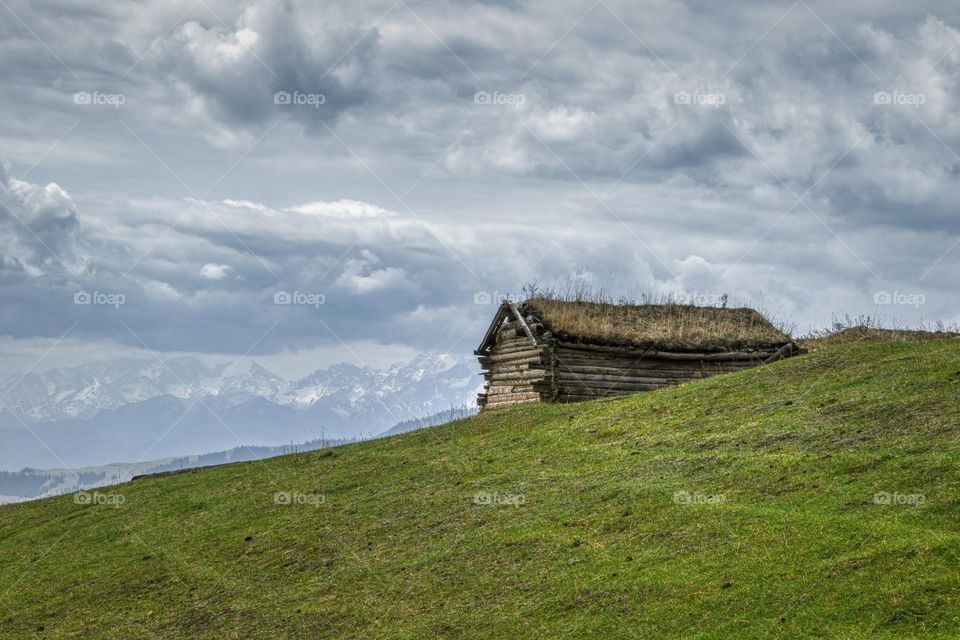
x=546 y=350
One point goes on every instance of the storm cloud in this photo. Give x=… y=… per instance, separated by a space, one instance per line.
x=399 y=161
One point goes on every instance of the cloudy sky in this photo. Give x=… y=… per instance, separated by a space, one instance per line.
x=189 y=162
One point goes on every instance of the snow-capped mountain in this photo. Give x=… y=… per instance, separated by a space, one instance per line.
x=83 y=391
x=430 y=383
x=425 y=385
x=117 y=410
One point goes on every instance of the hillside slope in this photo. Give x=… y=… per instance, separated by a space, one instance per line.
x=739 y=506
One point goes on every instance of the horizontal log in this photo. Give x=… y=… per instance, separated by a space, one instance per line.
x=502 y=389
x=638 y=375
x=583 y=397
x=653 y=363
x=603 y=393
x=516 y=353
x=514 y=400
x=490 y=367
x=517 y=398
x=532 y=374
x=523 y=366
x=600 y=380
x=583 y=359
x=639 y=372
x=531 y=351
x=667 y=355
x=506 y=392
x=529 y=366
x=643 y=370
x=514 y=384
x=520 y=366
x=486 y=364
x=572 y=386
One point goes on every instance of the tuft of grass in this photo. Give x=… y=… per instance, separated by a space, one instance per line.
x=849 y=330
x=813 y=498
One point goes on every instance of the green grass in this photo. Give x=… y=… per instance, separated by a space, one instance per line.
x=599 y=548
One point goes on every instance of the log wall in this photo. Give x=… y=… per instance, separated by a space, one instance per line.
x=515 y=370
x=583 y=372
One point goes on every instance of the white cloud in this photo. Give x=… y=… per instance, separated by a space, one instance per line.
x=212 y=271
x=562 y=123
x=340 y=209
x=360 y=276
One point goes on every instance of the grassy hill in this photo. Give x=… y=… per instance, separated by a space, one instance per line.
x=740 y=506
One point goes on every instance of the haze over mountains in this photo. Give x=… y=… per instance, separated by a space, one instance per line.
x=131 y=409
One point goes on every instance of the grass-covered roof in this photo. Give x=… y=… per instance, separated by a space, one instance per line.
x=671 y=327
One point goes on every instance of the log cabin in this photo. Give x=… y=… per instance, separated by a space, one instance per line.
x=549 y=350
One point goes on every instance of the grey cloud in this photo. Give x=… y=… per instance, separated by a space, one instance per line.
x=273 y=49
x=38 y=226
x=365 y=263
x=699 y=193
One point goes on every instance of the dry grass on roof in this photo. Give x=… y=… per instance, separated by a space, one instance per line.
x=669 y=327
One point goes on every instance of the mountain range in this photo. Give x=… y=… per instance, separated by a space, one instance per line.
x=130 y=409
